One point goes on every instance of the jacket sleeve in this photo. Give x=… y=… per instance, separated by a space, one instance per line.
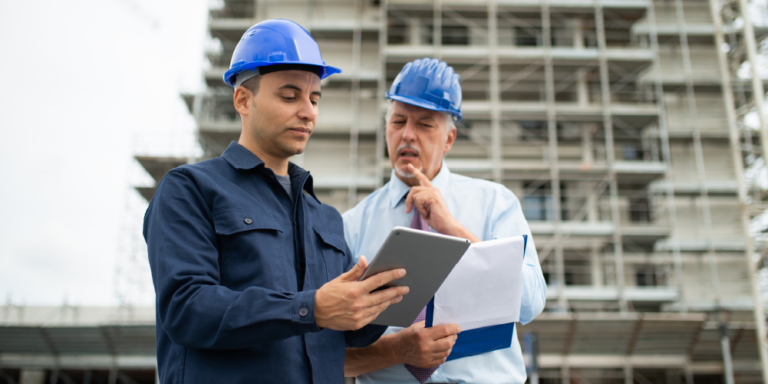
x=508 y=220
x=194 y=309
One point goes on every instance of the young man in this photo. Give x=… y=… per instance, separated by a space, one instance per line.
x=425 y=101
x=253 y=278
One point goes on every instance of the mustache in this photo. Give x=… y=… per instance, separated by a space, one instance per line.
x=408 y=146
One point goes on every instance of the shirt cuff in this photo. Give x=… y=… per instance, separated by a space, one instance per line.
x=304 y=309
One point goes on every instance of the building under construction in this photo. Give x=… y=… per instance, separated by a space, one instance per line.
x=620 y=126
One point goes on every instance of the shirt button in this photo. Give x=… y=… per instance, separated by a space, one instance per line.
x=248 y=220
x=303 y=311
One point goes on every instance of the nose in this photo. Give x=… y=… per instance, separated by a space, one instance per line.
x=307 y=111
x=409 y=132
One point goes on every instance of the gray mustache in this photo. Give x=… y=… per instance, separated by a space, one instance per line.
x=408 y=146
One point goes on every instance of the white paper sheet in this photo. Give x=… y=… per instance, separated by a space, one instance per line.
x=484 y=288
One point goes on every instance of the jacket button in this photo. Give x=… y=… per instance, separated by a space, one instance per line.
x=303 y=311
x=248 y=220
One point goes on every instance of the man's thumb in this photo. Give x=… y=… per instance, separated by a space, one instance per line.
x=356 y=271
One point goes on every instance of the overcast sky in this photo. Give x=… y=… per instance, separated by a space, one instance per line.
x=80 y=81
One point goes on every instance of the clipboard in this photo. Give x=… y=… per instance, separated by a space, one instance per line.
x=479 y=340
x=428 y=259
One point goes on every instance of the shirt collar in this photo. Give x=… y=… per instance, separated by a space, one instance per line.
x=398 y=189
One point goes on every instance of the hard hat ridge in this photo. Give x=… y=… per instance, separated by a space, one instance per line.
x=274 y=42
x=431 y=84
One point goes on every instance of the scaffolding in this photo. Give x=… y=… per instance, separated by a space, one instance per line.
x=619 y=125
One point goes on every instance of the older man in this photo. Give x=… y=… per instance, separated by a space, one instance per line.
x=425 y=101
x=254 y=281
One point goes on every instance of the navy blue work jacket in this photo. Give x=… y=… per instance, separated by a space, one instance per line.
x=236 y=264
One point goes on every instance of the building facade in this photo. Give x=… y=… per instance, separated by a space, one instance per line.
x=619 y=124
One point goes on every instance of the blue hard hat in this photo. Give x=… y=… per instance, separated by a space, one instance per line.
x=429 y=84
x=273 y=42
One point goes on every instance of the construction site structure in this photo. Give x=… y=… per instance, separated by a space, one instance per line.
x=77 y=345
x=619 y=125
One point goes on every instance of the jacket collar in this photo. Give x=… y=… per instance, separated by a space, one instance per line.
x=398 y=189
x=240 y=157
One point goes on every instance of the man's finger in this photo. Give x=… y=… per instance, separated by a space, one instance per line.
x=373 y=312
x=441 y=331
x=423 y=180
x=410 y=199
x=444 y=344
x=419 y=325
x=356 y=271
x=385 y=295
x=382 y=278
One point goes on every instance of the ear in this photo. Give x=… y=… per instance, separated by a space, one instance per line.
x=449 y=142
x=242 y=100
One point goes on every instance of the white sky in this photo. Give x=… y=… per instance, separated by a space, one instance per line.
x=80 y=80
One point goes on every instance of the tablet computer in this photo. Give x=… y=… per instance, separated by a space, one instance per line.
x=427 y=257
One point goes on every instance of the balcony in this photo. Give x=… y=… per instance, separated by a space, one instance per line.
x=464 y=52
x=638 y=294
x=694 y=188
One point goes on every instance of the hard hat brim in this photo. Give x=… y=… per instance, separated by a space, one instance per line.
x=457 y=116
x=229 y=75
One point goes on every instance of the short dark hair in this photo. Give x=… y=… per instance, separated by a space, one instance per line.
x=252 y=84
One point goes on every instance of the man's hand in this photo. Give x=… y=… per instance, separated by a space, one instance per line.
x=415 y=345
x=345 y=304
x=432 y=207
x=426 y=347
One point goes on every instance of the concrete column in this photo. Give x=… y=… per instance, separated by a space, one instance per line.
x=596 y=264
x=591 y=201
x=565 y=375
x=587 y=151
x=478 y=36
x=577 y=32
x=582 y=91
x=628 y=375
x=32 y=376
x=414 y=31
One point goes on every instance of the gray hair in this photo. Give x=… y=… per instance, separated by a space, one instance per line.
x=449 y=123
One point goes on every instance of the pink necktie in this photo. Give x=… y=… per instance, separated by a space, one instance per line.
x=421 y=374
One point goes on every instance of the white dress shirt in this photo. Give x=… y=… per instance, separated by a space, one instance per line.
x=488 y=210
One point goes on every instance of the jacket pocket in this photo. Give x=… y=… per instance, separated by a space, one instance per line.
x=233 y=220
x=252 y=250
x=332 y=245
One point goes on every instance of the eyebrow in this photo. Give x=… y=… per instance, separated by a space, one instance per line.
x=418 y=118
x=296 y=88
